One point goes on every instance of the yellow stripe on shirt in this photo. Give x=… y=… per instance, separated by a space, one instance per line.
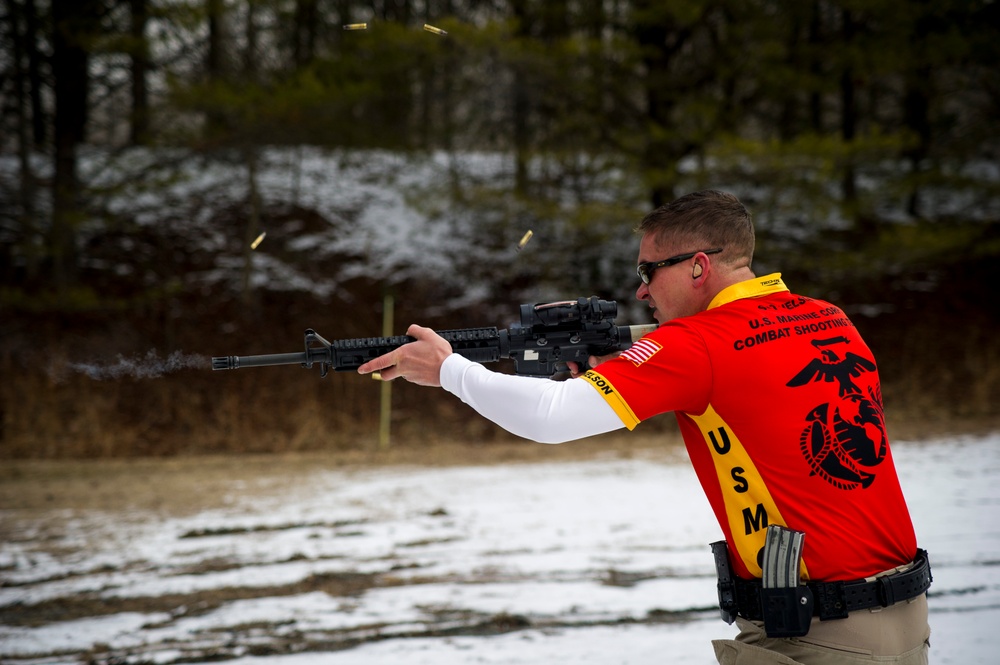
x=750 y=508
x=613 y=398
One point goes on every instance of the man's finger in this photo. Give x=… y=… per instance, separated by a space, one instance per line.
x=419 y=332
x=390 y=374
x=378 y=364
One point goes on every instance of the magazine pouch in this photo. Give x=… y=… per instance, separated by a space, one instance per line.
x=787 y=605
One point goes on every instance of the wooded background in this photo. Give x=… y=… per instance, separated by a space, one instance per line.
x=863 y=135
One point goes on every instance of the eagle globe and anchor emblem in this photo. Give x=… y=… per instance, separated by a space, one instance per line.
x=842 y=441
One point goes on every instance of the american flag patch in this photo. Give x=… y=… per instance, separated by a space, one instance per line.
x=641 y=351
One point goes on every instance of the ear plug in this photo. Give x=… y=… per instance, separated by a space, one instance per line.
x=696 y=271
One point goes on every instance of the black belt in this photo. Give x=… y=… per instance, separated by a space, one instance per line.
x=834 y=600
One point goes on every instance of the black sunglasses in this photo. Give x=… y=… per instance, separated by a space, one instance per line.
x=645 y=270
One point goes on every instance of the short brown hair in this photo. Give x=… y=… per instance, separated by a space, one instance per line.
x=704 y=220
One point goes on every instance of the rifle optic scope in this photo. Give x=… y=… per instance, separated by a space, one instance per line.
x=588 y=310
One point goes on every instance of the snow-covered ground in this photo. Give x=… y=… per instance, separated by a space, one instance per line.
x=598 y=561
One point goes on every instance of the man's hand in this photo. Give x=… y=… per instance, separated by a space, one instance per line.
x=418 y=362
x=575 y=370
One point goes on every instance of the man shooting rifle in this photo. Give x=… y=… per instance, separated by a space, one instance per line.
x=779 y=403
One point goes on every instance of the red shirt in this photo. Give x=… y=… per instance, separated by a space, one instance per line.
x=779 y=402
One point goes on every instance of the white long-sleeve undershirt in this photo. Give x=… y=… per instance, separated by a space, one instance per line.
x=538 y=409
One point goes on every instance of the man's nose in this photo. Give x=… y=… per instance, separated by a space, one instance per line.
x=642 y=293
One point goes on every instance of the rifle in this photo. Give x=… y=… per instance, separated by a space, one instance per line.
x=550 y=334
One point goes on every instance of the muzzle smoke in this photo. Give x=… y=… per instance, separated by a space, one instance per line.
x=150 y=366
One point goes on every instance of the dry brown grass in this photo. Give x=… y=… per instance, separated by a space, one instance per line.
x=283 y=410
x=939 y=377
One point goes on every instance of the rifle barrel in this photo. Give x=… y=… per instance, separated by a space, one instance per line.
x=236 y=362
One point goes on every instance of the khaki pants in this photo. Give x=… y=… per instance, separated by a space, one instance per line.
x=898 y=635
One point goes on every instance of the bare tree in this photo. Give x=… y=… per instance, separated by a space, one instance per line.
x=139 y=47
x=75 y=24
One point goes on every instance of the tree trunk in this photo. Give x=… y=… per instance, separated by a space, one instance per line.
x=815 y=68
x=848 y=113
x=657 y=156
x=788 y=127
x=31 y=30
x=216 y=69
x=74 y=23
x=916 y=110
x=306 y=22
x=140 y=68
x=26 y=216
x=250 y=54
x=216 y=36
x=917 y=97
x=521 y=106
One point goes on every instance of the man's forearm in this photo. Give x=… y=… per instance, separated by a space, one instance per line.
x=538 y=409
